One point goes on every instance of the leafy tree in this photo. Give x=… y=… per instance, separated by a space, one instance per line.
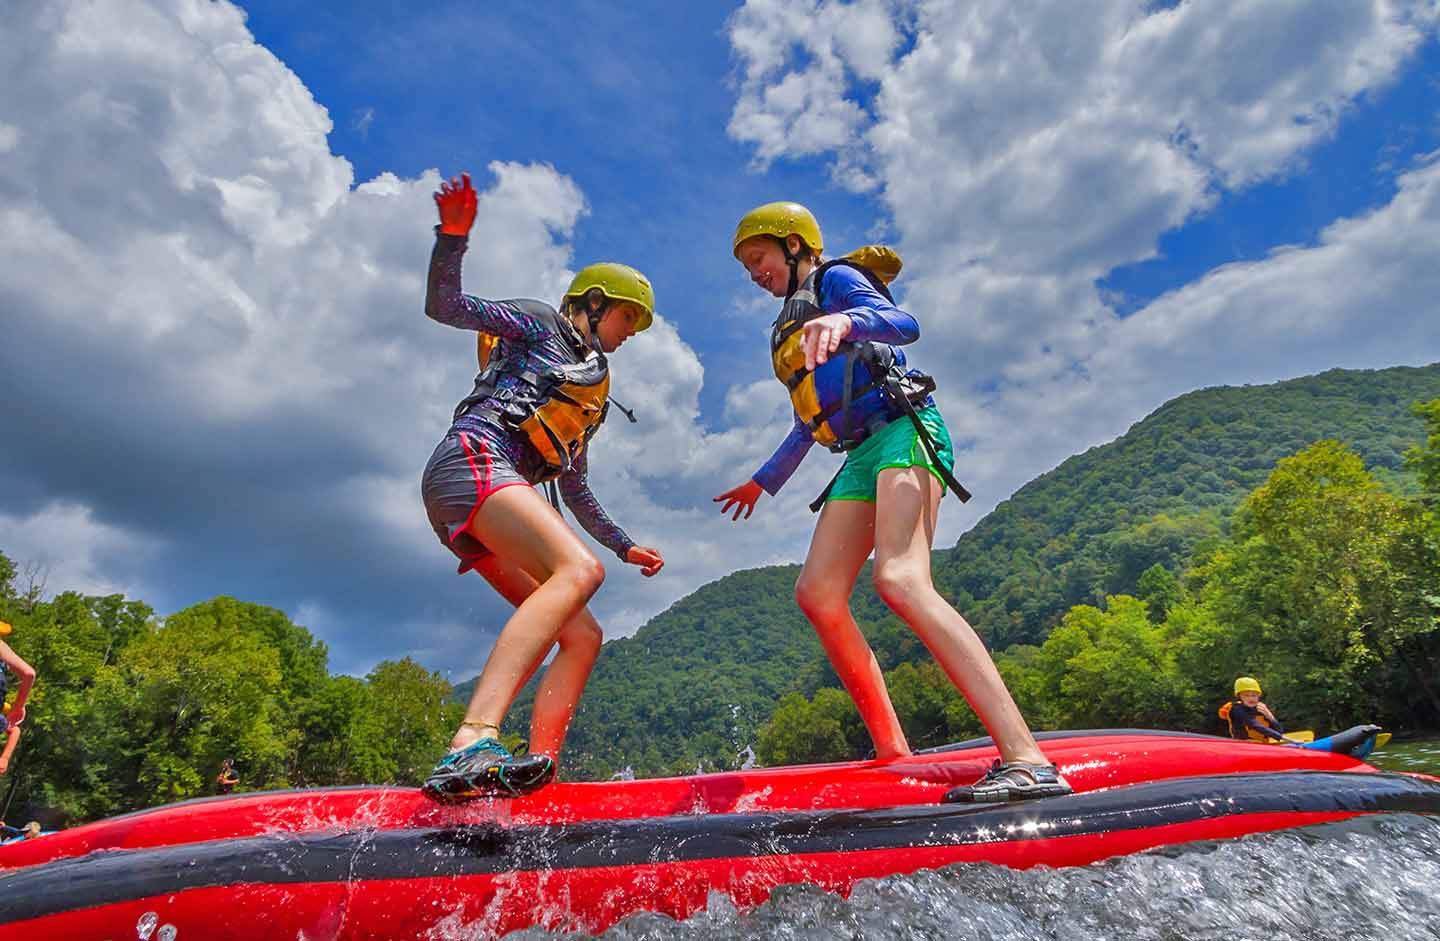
x=1113 y=667
x=1160 y=590
x=802 y=731
x=1423 y=461
x=407 y=721
x=192 y=693
x=927 y=702
x=1311 y=582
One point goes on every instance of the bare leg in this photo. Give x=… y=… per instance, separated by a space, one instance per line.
x=907 y=503
x=564 y=680
x=842 y=542
x=528 y=536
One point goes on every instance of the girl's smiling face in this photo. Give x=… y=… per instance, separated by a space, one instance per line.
x=765 y=261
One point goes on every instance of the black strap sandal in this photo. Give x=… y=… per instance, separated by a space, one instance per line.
x=1009 y=782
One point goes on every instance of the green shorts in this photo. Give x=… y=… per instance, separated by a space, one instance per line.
x=898 y=444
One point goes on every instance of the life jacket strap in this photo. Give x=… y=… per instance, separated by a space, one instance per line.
x=898 y=393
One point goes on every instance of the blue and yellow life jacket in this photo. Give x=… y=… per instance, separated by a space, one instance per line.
x=863 y=386
x=843 y=400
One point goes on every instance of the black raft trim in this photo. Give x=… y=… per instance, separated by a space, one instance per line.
x=113 y=876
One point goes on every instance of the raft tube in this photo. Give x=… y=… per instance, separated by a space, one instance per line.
x=378 y=863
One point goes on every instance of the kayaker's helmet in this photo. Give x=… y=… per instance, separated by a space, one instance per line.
x=1246 y=684
x=5 y=628
x=594 y=285
x=780 y=221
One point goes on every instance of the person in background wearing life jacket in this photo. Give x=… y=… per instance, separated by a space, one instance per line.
x=228 y=777
x=835 y=346
x=537 y=402
x=28 y=832
x=1250 y=718
x=12 y=664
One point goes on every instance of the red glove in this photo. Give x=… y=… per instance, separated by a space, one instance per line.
x=742 y=497
x=648 y=559
x=456 y=201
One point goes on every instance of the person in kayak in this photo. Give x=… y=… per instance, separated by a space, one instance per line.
x=836 y=347
x=536 y=404
x=1249 y=718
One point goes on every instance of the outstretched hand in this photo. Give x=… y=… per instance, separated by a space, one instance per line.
x=742 y=497
x=16 y=715
x=648 y=559
x=457 y=203
x=821 y=337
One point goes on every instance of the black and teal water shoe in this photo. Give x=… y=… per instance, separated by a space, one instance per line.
x=485 y=768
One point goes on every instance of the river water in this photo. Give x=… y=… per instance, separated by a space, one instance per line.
x=1369 y=878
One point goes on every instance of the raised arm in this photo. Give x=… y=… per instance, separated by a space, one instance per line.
x=444 y=301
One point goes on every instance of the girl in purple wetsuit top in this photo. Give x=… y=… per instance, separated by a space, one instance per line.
x=540 y=396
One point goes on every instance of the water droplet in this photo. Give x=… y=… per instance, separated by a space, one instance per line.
x=167 y=933
x=145 y=927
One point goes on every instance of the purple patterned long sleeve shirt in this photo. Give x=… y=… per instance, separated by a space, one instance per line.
x=534 y=338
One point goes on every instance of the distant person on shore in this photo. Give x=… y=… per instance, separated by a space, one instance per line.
x=836 y=347
x=228 y=777
x=1250 y=718
x=541 y=395
x=12 y=664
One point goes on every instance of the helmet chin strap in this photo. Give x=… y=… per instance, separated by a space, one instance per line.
x=792 y=261
x=595 y=306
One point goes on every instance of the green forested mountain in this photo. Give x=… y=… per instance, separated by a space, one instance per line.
x=694 y=683
x=1092 y=525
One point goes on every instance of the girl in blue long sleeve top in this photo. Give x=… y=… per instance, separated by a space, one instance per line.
x=836 y=347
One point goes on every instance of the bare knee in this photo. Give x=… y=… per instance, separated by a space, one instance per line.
x=584 y=573
x=900 y=583
x=818 y=599
x=582 y=636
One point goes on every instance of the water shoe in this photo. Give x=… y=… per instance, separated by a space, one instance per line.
x=1008 y=782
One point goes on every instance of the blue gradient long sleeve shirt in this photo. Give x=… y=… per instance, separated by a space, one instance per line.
x=873 y=318
x=534 y=337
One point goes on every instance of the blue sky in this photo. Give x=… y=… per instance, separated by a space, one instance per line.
x=218 y=378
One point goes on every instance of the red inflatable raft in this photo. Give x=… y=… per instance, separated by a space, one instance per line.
x=372 y=863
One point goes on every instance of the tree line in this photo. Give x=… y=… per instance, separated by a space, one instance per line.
x=1325 y=586
x=131 y=710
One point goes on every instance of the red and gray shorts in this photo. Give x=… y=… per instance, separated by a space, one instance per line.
x=462 y=473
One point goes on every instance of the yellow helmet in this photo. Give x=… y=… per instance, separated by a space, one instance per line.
x=780 y=220
x=619 y=283
x=1246 y=684
x=5 y=628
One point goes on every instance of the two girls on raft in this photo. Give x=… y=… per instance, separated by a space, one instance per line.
x=541 y=396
